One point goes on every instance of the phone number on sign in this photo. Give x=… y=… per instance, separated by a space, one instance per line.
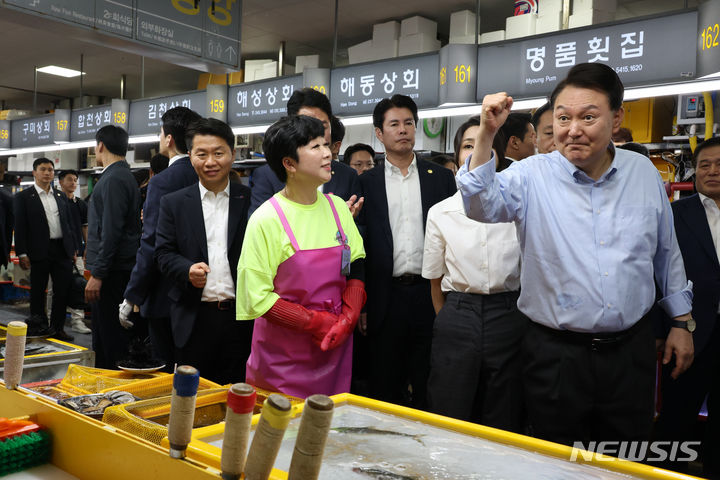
x=629 y=68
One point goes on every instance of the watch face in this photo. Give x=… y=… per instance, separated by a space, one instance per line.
x=691 y=325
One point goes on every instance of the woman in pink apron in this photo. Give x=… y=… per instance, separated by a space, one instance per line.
x=300 y=271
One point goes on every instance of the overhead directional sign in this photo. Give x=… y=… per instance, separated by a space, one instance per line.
x=206 y=28
x=203 y=28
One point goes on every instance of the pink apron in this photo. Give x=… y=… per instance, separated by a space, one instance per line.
x=285 y=360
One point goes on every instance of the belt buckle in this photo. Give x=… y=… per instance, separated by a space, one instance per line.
x=223 y=305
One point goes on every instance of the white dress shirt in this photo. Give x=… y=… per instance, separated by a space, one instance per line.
x=406 y=218
x=216 y=209
x=176 y=158
x=52 y=213
x=472 y=257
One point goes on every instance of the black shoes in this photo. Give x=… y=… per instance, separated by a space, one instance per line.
x=61 y=335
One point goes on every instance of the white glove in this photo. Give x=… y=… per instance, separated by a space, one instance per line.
x=126 y=309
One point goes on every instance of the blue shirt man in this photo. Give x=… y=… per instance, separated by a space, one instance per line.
x=594 y=226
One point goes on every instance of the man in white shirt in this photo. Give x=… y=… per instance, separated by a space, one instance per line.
x=199 y=237
x=398 y=193
x=474 y=273
x=46 y=239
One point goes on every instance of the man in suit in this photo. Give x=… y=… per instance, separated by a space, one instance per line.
x=697 y=225
x=398 y=194
x=78 y=209
x=113 y=239
x=147 y=288
x=344 y=181
x=199 y=237
x=519 y=133
x=46 y=242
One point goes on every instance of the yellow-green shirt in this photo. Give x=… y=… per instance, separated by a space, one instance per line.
x=266 y=246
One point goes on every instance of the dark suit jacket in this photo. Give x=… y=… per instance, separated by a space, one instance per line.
x=436 y=184
x=113 y=222
x=701 y=266
x=181 y=241
x=264 y=183
x=7 y=221
x=147 y=288
x=32 y=234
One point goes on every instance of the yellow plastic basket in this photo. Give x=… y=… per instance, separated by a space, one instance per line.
x=84 y=380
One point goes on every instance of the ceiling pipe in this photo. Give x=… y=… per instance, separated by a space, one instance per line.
x=35 y=90
x=335 y=35
x=566 y=14
x=281 y=59
x=123 y=86
x=142 y=77
x=81 y=76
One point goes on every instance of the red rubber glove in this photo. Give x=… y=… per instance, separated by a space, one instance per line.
x=296 y=317
x=353 y=300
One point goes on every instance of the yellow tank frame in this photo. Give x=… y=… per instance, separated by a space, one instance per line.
x=89 y=449
x=205 y=453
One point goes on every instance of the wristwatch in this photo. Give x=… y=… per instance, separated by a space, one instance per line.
x=688 y=324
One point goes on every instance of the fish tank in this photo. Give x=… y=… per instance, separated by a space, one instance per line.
x=369 y=439
x=47 y=358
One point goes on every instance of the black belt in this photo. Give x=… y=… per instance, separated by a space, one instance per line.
x=408 y=279
x=596 y=341
x=220 y=305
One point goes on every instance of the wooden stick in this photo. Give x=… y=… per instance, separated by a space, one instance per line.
x=269 y=433
x=312 y=435
x=240 y=406
x=182 y=409
x=14 y=353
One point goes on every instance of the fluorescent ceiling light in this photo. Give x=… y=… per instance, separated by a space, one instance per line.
x=672 y=89
x=364 y=120
x=143 y=139
x=60 y=71
x=251 y=129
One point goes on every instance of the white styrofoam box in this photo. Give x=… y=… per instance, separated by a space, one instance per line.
x=520 y=25
x=590 y=17
x=496 y=36
x=417 y=43
x=462 y=24
x=548 y=23
x=415 y=25
x=549 y=6
x=385 y=32
x=269 y=70
x=306 y=61
x=252 y=66
x=15 y=164
x=362 y=52
x=64 y=159
x=384 y=49
x=606 y=5
x=465 y=39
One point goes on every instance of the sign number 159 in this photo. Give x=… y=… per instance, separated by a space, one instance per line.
x=216 y=12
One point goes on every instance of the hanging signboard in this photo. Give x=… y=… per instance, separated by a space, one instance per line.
x=32 y=132
x=146 y=115
x=642 y=52
x=85 y=122
x=356 y=89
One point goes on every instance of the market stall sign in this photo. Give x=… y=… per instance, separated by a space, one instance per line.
x=5 y=134
x=708 y=46
x=32 y=132
x=265 y=101
x=458 y=69
x=356 y=89
x=61 y=125
x=85 y=122
x=261 y=102
x=146 y=115
x=642 y=52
